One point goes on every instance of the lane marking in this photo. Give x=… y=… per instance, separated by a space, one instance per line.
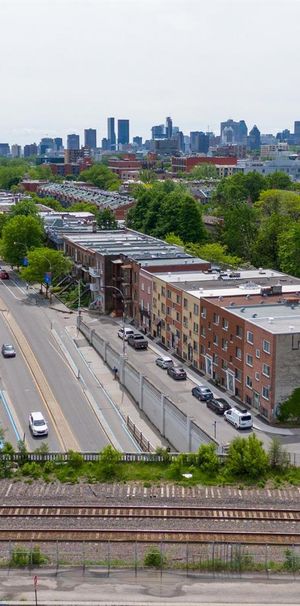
x=10 y=415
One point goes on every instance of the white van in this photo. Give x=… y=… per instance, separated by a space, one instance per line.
x=241 y=418
x=125 y=332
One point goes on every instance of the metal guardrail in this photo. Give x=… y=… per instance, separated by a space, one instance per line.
x=65 y=457
x=139 y=437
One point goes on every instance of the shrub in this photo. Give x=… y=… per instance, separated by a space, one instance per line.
x=164 y=453
x=75 y=459
x=109 y=464
x=246 y=457
x=32 y=469
x=278 y=456
x=290 y=409
x=207 y=458
x=154 y=558
x=292 y=561
x=19 y=557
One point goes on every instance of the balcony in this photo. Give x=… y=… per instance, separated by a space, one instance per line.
x=95 y=272
x=94 y=287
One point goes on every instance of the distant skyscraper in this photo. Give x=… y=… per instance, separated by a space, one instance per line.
x=111 y=135
x=254 y=138
x=138 y=141
x=16 y=151
x=199 y=142
x=46 y=144
x=123 y=132
x=73 y=141
x=234 y=133
x=297 y=132
x=158 y=131
x=169 y=127
x=4 y=149
x=90 y=138
x=58 y=143
x=30 y=150
x=104 y=144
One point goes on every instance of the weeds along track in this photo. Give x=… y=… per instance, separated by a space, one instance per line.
x=153 y=512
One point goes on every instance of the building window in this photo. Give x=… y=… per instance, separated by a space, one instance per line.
x=239 y=331
x=238 y=353
x=257 y=376
x=265 y=393
x=149 y=290
x=143 y=286
x=266 y=370
x=202 y=349
x=196 y=327
x=224 y=364
x=266 y=346
x=249 y=382
x=154 y=287
x=168 y=311
x=169 y=294
x=178 y=299
x=196 y=310
x=195 y=346
x=163 y=308
x=202 y=331
x=185 y=321
x=178 y=316
x=216 y=318
x=185 y=338
x=238 y=374
x=216 y=340
x=225 y=324
x=185 y=303
x=142 y=303
x=215 y=359
x=249 y=360
x=249 y=337
x=224 y=344
x=257 y=353
x=163 y=291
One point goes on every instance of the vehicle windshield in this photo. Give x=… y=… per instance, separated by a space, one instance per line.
x=39 y=422
x=138 y=336
x=246 y=418
x=9 y=347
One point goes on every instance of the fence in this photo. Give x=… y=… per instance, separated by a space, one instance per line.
x=65 y=457
x=145 y=445
x=209 y=559
x=173 y=424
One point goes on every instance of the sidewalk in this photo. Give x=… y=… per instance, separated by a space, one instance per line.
x=116 y=392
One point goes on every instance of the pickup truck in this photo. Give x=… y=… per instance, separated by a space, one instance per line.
x=137 y=341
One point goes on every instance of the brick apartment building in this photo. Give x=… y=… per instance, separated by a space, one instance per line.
x=186 y=163
x=126 y=168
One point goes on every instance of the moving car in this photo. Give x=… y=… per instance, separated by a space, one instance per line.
x=164 y=362
x=177 y=373
x=137 y=341
x=37 y=424
x=202 y=393
x=4 y=275
x=126 y=332
x=240 y=418
x=218 y=405
x=8 y=351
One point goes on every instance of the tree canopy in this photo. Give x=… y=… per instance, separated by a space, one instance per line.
x=24 y=208
x=106 y=219
x=19 y=235
x=290 y=409
x=43 y=260
x=164 y=208
x=101 y=176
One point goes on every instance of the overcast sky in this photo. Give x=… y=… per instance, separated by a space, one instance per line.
x=67 y=65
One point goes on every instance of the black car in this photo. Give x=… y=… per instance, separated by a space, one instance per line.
x=218 y=405
x=202 y=393
x=177 y=373
x=8 y=351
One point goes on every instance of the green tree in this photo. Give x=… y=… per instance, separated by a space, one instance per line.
x=246 y=457
x=278 y=180
x=202 y=172
x=25 y=208
x=19 y=235
x=290 y=409
x=289 y=250
x=284 y=203
x=207 y=458
x=191 y=227
x=82 y=207
x=101 y=176
x=147 y=176
x=238 y=188
x=214 y=252
x=171 y=238
x=240 y=229
x=106 y=219
x=43 y=260
x=265 y=250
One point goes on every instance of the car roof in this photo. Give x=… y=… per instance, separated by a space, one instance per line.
x=37 y=416
x=8 y=345
x=164 y=358
x=203 y=388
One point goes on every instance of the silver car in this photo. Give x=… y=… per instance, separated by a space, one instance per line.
x=164 y=362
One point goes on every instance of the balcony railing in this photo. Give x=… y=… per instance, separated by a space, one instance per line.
x=95 y=272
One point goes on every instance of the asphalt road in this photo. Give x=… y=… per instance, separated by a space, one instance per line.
x=35 y=320
x=179 y=391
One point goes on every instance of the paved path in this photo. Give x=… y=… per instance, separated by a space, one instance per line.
x=148 y=588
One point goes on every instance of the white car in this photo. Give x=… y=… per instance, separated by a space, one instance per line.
x=125 y=332
x=37 y=424
x=164 y=362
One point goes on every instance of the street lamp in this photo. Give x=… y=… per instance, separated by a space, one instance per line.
x=123 y=314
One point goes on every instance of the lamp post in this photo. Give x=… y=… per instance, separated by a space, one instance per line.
x=123 y=314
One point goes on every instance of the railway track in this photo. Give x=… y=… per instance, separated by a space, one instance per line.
x=148 y=536
x=137 y=511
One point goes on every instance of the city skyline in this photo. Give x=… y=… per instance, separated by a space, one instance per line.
x=200 y=64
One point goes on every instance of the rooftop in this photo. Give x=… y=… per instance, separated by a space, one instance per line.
x=276 y=318
x=76 y=192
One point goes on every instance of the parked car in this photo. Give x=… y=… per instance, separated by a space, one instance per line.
x=4 y=275
x=37 y=424
x=8 y=351
x=125 y=332
x=240 y=418
x=177 y=372
x=137 y=341
x=164 y=362
x=202 y=393
x=218 y=405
